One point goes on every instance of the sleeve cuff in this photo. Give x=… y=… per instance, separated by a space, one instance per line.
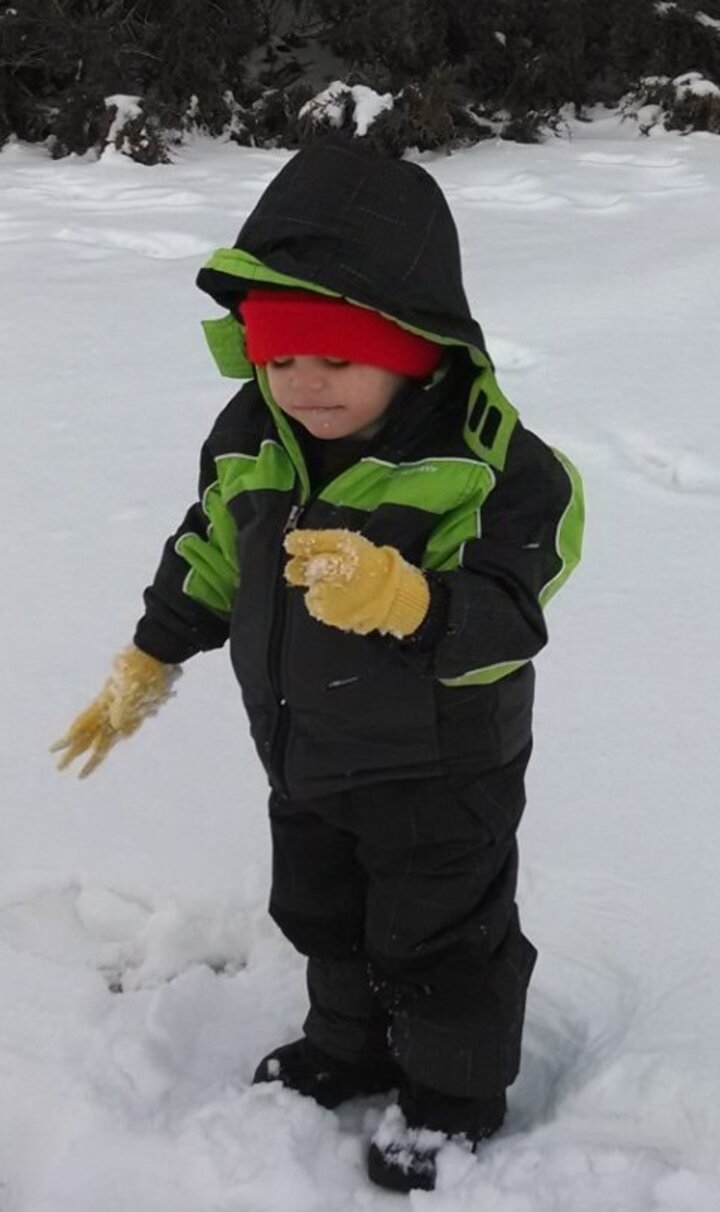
x=433 y=625
x=156 y=642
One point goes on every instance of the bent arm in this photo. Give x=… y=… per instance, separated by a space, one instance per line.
x=496 y=585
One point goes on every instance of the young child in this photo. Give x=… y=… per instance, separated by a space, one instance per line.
x=378 y=536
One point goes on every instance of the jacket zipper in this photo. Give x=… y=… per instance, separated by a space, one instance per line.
x=278 y=646
x=293 y=518
x=277 y=653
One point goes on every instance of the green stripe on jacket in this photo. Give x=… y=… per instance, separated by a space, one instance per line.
x=214 y=574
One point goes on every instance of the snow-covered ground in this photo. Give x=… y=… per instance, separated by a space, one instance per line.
x=140 y=978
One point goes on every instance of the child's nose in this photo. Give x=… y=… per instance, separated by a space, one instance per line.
x=310 y=378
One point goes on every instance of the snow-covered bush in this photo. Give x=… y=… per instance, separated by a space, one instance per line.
x=456 y=70
x=143 y=132
x=686 y=103
x=428 y=116
x=342 y=104
x=696 y=104
x=59 y=59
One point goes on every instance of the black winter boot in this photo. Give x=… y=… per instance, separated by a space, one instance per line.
x=303 y=1067
x=403 y=1152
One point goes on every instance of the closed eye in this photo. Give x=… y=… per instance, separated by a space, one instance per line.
x=335 y=363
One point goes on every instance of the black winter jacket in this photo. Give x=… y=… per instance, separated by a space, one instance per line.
x=453 y=480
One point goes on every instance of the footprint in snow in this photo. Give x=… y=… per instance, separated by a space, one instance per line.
x=642 y=173
x=163 y=245
x=511 y=356
x=523 y=190
x=555 y=1041
x=134 y=946
x=677 y=470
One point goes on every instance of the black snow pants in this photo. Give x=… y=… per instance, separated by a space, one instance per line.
x=402 y=896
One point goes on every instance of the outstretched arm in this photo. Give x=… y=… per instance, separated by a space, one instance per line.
x=136 y=688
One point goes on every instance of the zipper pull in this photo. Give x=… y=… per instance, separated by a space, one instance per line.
x=292 y=519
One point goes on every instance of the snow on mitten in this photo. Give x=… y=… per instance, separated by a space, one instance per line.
x=136 y=688
x=354 y=585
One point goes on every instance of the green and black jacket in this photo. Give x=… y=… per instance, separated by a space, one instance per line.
x=453 y=480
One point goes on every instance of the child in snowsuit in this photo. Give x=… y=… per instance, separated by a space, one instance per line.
x=378 y=536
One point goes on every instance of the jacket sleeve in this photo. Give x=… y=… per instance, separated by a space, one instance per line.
x=527 y=540
x=188 y=604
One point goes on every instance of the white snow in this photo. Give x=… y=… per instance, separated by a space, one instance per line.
x=140 y=977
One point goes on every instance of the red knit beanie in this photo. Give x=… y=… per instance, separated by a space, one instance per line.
x=282 y=324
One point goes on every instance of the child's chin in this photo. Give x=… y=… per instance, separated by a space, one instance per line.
x=332 y=425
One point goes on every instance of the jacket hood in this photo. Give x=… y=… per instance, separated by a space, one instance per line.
x=347 y=221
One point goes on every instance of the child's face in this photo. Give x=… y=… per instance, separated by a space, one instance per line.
x=331 y=398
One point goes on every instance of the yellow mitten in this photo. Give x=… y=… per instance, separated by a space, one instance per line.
x=137 y=686
x=354 y=585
